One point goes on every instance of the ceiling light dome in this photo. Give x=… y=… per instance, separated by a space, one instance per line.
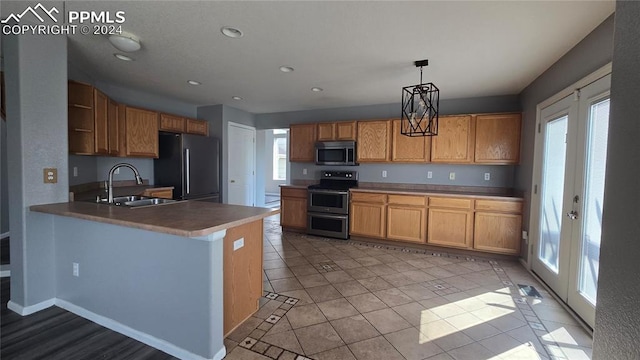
x=231 y=32
x=123 y=57
x=286 y=69
x=125 y=42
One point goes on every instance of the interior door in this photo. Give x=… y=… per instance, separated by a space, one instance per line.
x=241 y=165
x=574 y=132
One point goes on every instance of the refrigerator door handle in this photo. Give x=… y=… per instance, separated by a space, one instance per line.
x=187 y=164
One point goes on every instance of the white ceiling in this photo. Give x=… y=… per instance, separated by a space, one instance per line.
x=360 y=53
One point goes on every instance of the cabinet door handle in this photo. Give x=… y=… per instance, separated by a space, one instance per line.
x=572 y=215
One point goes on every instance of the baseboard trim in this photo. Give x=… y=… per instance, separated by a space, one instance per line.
x=150 y=340
x=28 y=310
x=4 y=235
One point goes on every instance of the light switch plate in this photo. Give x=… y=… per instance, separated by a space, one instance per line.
x=452 y=176
x=304 y=171
x=384 y=173
x=429 y=174
x=50 y=175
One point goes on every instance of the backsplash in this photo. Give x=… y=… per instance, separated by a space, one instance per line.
x=465 y=175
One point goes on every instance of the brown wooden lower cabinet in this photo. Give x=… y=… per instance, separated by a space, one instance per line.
x=368 y=214
x=450 y=227
x=498 y=226
x=159 y=193
x=242 y=274
x=407 y=218
x=293 y=208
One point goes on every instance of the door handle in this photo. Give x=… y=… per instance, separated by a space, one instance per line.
x=572 y=215
x=187 y=156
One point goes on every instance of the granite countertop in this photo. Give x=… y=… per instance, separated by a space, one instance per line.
x=432 y=190
x=182 y=218
x=497 y=194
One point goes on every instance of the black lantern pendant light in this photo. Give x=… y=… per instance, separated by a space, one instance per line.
x=420 y=107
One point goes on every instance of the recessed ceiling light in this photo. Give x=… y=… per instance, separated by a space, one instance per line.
x=286 y=69
x=236 y=98
x=193 y=82
x=231 y=32
x=125 y=42
x=123 y=57
x=316 y=89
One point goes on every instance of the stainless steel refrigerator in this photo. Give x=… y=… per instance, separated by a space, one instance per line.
x=189 y=163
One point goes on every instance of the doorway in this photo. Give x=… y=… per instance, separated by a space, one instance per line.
x=572 y=136
x=242 y=164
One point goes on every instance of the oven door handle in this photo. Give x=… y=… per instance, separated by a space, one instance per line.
x=331 y=192
x=328 y=216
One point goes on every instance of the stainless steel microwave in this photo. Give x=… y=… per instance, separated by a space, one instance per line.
x=336 y=153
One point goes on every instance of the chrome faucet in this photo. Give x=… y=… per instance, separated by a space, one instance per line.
x=113 y=170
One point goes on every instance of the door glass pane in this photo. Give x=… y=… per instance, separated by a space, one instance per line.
x=598 y=127
x=552 y=191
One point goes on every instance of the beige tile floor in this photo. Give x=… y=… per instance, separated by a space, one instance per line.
x=332 y=299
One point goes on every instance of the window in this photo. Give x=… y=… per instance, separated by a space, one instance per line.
x=280 y=154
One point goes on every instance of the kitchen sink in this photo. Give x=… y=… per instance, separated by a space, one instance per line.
x=147 y=202
x=134 y=201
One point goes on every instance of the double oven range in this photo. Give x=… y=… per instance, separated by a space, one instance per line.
x=328 y=204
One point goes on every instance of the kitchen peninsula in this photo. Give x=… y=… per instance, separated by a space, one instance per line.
x=167 y=275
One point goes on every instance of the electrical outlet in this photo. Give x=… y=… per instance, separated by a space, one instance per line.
x=50 y=175
x=429 y=174
x=384 y=173
x=238 y=244
x=117 y=171
x=487 y=176
x=525 y=235
x=304 y=171
x=76 y=269
x=75 y=171
x=452 y=176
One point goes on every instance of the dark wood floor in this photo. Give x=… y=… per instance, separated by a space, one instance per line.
x=54 y=334
x=4 y=251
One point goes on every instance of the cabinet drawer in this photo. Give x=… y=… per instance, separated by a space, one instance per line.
x=455 y=203
x=408 y=200
x=498 y=205
x=293 y=192
x=162 y=193
x=369 y=197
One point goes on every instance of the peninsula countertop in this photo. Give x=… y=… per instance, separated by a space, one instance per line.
x=182 y=218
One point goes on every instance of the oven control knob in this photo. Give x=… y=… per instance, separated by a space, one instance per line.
x=328 y=174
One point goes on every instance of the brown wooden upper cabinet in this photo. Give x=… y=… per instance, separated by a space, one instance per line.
x=302 y=138
x=374 y=141
x=114 y=124
x=101 y=133
x=337 y=131
x=81 y=118
x=197 y=127
x=141 y=132
x=497 y=139
x=172 y=123
x=455 y=140
x=409 y=149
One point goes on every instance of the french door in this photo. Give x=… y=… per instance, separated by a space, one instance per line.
x=574 y=149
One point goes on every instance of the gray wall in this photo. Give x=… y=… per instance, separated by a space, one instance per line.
x=219 y=117
x=36 y=72
x=617 y=326
x=593 y=52
x=4 y=183
x=87 y=169
x=466 y=175
x=118 y=279
x=384 y=111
